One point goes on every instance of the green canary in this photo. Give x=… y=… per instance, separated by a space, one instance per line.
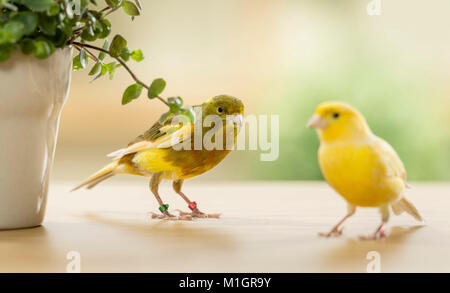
x=170 y=150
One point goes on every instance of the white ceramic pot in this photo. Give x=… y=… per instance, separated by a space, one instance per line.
x=32 y=94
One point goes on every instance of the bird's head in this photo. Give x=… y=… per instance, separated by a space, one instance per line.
x=224 y=106
x=337 y=121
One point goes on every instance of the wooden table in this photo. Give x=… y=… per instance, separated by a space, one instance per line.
x=266 y=227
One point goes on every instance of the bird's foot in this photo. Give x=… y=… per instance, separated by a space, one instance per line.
x=335 y=232
x=196 y=213
x=379 y=234
x=168 y=216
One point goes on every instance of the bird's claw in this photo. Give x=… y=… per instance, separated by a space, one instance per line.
x=196 y=213
x=335 y=232
x=168 y=216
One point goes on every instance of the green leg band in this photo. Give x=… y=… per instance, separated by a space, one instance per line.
x=164 y=208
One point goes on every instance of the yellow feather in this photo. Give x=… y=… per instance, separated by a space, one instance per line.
x=360 y=173
x=154 y=161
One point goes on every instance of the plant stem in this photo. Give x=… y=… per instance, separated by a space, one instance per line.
x=104 y=9
x=111 y=11
x=92 y=55
x=87 y=51
x=136 y=79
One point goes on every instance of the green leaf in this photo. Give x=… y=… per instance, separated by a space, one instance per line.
x=53 y=9
x=113 y=3
x=37 y=5
x=88 y=34
x=102 y=72
x=27 y=46
x=175 y=104
x=130 y=8
x=106 y=29
x=5 y=52
x=13 y=30
x=112 y=73
x=76 y=64
x=131 y=93
x=83 y=58
x=110 y=66
x=60 y=39
x=66 y=27
x=125 y=54
x=137 y=55
x=106 y=45
x=43 y=49
x=28 y=19
x=102 y=55
x=111 y=69
x=4 y=37
x=96 y=76
x=4 y=18
x=96 y=69
x=156 y=88
x=48 y=24
x=9 y=6
x=117 y=45
x=190 y=113
x=104 y=69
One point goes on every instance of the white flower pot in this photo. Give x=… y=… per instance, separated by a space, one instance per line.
x=32 y=94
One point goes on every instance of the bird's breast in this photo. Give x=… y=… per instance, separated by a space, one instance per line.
x=356 y=173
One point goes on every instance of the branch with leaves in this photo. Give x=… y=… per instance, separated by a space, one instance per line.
x=38 y=27
x=119 y=52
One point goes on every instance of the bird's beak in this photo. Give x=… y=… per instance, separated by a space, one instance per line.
x=237 y=119
x=317 y=122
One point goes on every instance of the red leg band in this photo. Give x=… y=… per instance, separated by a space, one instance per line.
x=382 y=232
x=192 y=205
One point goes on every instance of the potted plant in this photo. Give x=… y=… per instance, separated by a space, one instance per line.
x=37 y=40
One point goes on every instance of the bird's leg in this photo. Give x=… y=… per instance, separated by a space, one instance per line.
x=379 y=232
x=196 y=213
x=335 y=231
x=154 y=186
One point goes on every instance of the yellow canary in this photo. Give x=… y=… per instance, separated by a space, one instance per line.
x=170 y=151
x=363 y=168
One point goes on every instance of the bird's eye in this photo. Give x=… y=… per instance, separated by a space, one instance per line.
x=219 y=109
x=336 y=115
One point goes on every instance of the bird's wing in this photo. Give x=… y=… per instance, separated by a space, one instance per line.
x=390 y=159
x=158 y=136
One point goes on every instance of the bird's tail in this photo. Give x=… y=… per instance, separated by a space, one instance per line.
x=404 y=205
x=105 y=173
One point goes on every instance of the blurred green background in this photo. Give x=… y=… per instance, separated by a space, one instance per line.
x=281 y=57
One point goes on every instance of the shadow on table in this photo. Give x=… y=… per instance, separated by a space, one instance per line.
x=168 y=230
x=352 y=253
